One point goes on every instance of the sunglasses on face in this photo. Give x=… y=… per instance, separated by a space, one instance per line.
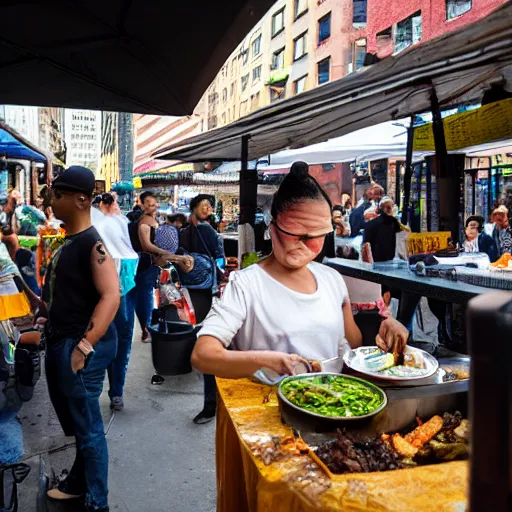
x=301 y=238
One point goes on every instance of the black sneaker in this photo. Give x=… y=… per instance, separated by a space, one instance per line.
x=65 y=489
x=206 y=415
x=116 y=403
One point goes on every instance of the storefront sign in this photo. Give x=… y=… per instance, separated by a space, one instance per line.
x=489 y=123
x=137 y=182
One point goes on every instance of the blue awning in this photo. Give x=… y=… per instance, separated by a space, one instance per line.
x=15 y=149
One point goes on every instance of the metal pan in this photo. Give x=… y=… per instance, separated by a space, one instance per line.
x=284 y=401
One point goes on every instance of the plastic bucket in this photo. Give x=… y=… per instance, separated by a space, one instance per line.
x=171 y=347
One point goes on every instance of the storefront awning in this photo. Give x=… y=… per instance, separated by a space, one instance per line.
x=16 y=147
x=137 y=56
x=459 y=66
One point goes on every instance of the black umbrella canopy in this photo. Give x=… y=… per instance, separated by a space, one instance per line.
x=144 y=56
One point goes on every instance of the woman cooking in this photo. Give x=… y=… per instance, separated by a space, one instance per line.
x=287 y=307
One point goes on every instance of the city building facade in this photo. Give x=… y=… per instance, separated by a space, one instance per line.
x=152 y=132
x=82 y=133
x=393 y=26
x=51 y=132
x=25 y=120
x=116 y=158
x=302 y=44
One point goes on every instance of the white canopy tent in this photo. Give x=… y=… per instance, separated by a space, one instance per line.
x=385 y=140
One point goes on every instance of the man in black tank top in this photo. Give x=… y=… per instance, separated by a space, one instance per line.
x=82 y=295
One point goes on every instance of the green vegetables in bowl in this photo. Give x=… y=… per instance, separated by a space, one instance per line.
x=334 y=396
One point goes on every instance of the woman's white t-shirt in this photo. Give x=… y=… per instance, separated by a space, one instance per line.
x=257 y=312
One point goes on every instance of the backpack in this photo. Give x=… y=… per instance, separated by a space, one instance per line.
x=133 y=229
x=145 y=259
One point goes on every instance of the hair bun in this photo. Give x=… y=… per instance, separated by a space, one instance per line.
x=299 y=170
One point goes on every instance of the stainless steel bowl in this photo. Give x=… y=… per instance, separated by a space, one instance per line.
x=284 y=401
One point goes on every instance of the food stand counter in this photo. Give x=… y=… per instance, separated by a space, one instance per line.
x=248 y=411
x=397 y=275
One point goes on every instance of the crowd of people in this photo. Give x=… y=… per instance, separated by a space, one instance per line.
x=375 y=219
x=99 y=280
x=284 y=309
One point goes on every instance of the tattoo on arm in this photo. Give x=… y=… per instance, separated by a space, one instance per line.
x=101 y=251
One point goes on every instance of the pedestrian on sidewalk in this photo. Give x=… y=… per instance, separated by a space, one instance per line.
x=82 y=296
x=143 y=237
x=113 y=229
x=199 y=237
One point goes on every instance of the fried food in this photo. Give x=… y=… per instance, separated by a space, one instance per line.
x=503 y=262
x=403 y=447
x=424 y=433
x=399 y=346
x=462 y=430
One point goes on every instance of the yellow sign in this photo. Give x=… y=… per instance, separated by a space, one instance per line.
x=419 y=243
x=137 y=182
x=489 y=123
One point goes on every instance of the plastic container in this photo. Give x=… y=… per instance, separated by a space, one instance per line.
x=171 y=347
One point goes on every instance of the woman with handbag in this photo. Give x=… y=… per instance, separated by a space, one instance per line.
x=205 y=245
x=151 y=257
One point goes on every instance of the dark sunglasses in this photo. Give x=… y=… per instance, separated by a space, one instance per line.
x=301 y=238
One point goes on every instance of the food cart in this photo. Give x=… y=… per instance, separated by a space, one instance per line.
x=264 y=464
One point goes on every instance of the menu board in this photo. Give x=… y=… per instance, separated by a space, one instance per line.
x=489 y=123
x=420 y=243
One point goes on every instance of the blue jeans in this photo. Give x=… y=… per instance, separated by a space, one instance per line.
x=124 y=320
x=75 y=398
x=144 y=286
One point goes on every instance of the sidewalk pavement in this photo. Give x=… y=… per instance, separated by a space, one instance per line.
x=159 y=460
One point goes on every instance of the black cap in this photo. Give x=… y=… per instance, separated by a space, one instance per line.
x=77 y=179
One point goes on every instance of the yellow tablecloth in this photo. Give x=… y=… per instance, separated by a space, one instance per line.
x=244 y=483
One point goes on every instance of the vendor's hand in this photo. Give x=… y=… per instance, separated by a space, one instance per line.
x=77 y=360
x=280 y=362
x=391 y=332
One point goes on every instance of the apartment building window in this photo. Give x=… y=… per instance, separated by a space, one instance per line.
x=408 y=32
x=300 y=84
x=224 y=118
x=212 y=122
x=324 y=28
x=243 y=108
x=245 y=81
x=300 y=46
x=324 y=70
x=256 y=46
x=245 y=56
x=232 y=90
x=301 y=6
x=255 y=100
x=256 y=74
x=278 y=22
x=359 y=13
x=456 y=8
x=233 y=64
x=224 y=95
x=359 y=53
x=278 y=59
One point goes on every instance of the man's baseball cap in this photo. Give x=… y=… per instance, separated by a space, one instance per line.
x=76 y=179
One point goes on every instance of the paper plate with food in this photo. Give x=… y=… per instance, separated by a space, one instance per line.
x=409 y=364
